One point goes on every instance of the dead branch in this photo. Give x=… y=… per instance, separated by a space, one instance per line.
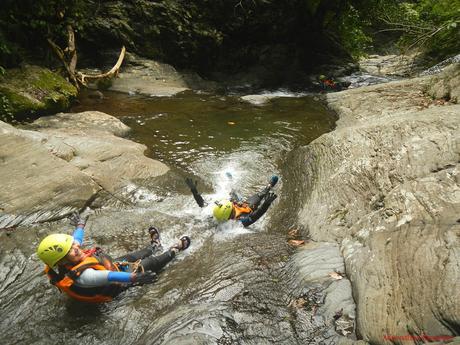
x=68 y=57
x=113 y=72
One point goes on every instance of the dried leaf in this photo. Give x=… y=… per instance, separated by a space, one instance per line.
x=297 y=303
x=296 y=243
x=335 y=275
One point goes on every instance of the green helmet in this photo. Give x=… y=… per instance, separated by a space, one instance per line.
x=53 y=248
x=322 y=77
x=223 y=210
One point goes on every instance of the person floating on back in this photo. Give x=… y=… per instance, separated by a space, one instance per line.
x=246 y=211
x=90 y=275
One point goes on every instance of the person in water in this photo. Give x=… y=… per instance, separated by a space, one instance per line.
x=329 y=84
x=90 y=275
x=246 y=211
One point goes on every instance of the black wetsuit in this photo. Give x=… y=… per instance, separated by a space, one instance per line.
x=254 y=202
x=148 y=261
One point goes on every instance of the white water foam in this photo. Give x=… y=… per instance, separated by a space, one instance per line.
x=265 y=96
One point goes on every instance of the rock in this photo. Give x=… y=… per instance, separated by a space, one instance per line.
x=385 y=186
x=387 y=65
x=36 y=185
x=94 y=122
x=447 y=84
x=98 y=151
x=33 y=90
x=64 y=163
x=153 y=78
x=321 y=296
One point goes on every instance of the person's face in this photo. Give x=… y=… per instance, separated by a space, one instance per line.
x=75 y=254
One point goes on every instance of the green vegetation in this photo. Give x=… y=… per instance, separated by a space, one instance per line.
x=33 y=90
x=431 y=26
x=227 y=35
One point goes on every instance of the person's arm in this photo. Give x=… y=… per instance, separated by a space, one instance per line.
x=234 y=197
x=92 y=278
x=193 y=188
x=79 y=231
x=259 y=212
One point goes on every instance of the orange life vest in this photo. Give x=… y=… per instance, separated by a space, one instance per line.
x=240 y=209
x=95 y=259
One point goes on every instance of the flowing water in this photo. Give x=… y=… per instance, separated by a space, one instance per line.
x=232 y=285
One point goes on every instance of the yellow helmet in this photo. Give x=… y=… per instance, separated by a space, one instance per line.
x=53 y=248
x=222 y=210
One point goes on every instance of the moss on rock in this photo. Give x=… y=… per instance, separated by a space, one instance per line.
x=33 y=91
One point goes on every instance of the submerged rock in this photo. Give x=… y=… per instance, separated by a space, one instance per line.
x=63 y=163
x=385 y=186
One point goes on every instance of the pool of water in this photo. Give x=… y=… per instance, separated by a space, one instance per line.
x=191 y=127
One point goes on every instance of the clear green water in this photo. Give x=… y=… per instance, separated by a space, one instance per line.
x=188 y=127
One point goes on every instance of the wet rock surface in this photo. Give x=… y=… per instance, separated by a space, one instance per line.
x=62 y=165
x=223 y=290
x=384 y=186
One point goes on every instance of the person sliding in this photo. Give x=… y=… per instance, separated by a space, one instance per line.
x=90 y=275
x=246 y=211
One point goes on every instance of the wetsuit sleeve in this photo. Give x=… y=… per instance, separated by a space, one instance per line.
x=120 y=277
x=198 y=198
x=255 y=215
x=91 y=277
x=78 y=234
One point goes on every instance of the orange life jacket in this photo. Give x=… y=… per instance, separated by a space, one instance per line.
x=240 y=209
x=65 y=279
x=329 y=83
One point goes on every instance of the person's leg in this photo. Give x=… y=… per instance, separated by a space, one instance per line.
x=139 y=254
x=155 y=244
x=255 y=199
x=156 y=263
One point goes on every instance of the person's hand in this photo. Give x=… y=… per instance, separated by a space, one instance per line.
x=76 y=220
x=144 y=278
x=270 y=197
x=191 y=184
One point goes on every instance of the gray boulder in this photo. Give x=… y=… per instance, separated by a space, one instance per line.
x=385 y=186
x=61 y=163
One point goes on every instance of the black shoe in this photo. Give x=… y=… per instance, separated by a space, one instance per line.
x=184 y=243
x=154 y=236
x=273 y=181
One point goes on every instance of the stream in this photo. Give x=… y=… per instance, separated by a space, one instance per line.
x=233 y=285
